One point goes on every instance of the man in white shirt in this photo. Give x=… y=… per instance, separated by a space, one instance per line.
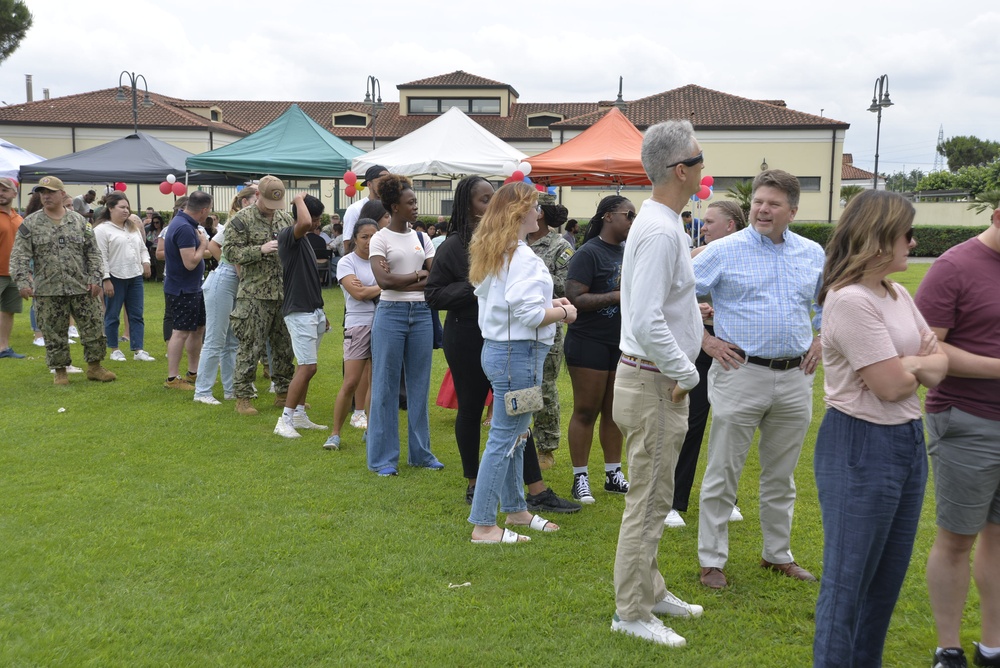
x=81 y=204
x=373 y=176
x=661 y=337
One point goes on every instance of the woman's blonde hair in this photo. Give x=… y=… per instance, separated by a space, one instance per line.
x=237 y=205
x=732 y=211
x=863 y=239
x=495 y=239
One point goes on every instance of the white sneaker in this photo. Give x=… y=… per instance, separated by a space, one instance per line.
x=229 y=397
x=209 y=400
x=652 y=630
x=40 y=342
x=674 y=520
x=285 y=428
x=74 y=333
x=69 y=369
x=143 y=356
x=118 y=356
x=302 y=421
x=71 y=341
x=673 y=606
x=359 y=420
x=736 y=515
x=271 y=389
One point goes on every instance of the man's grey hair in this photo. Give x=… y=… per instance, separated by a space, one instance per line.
x=666 y=144
x=198 y=201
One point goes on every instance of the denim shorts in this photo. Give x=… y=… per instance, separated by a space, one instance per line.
x=306 y=330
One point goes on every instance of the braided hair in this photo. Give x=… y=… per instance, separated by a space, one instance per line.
x=462 y=222
x=596 y=224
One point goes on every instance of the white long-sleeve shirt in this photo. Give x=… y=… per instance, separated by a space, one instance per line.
x=122 y=253
x=525 y=288
x=660 y=317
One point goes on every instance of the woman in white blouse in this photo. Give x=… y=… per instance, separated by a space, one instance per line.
x=126 y=263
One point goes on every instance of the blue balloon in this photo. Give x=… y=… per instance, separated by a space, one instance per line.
x=551 y=190
x=527 y=179
x=694 y=198
x=239 y=188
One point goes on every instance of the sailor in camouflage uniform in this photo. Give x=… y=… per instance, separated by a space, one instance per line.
x=555 y=251
x=251 y=242
x=65 y=280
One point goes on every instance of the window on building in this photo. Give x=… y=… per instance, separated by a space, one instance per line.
x=461 y=104
x=432 y=184
x=350 y=120
x=420 y=105
x=426 y=105
x=809 y=184
x=724 y=183
x=543 y=120
x=486 y=106
x=216 y=115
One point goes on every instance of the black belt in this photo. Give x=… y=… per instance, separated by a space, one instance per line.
x=777 y=364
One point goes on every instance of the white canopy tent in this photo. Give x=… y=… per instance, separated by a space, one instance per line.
x=451 y=144
x=12 y=157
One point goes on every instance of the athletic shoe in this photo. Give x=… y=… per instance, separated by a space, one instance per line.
x=470 y=493
x=736 y=515
x=615 y=482
x=950 y=657
x=143 y=356
x=549 y=502
x=652 y=630
x=208 y=400
x=229 y=397
x=124 y=338
x=71 y=342
x=674 y=520
x=118 y=356
x=285 y=428
x=387 y=471
x=332 y=443
x=980 y=660
x=9 y=352
x=271 y=388
x=302 y=421
x=673 y=606
x=359 y=420
x=73 y=332
x=581 y=489
x=69 y=369
x=178 y=383
x=40 y=341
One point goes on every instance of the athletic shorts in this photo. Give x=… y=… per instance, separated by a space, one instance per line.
x=358 y=343
x=188 y=310
x=10 y=296
x=590 y=354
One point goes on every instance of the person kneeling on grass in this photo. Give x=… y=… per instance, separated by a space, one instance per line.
x=302 y=310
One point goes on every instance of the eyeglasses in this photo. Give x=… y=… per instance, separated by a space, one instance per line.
x=538 y=208
x=909 y=235
x=690 y=162
x=628 y=214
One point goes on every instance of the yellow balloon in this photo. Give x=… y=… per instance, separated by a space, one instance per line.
x=359 y=186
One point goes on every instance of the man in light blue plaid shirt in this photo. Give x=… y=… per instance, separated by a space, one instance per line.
x=763 y=281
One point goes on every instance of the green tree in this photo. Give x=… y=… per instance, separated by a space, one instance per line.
x=847 y=193
x=904 y=181
x=988 y=200
x=15 y=19
x=742 y=192
x=968 y=151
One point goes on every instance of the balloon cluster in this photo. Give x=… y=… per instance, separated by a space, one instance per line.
x=353 y=187
x=706 y=191
x=172 y=185
x=519 y=172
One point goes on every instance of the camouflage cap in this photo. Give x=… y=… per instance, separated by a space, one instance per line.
x=51 y=183
x=272 y=193
x=546 y=198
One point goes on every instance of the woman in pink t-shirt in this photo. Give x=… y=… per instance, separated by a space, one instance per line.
x=870 y=461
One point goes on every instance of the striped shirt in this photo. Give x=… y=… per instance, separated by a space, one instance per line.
x=763 y=293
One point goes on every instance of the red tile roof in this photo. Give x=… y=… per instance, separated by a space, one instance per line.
x=848 y=172
x=456 y=79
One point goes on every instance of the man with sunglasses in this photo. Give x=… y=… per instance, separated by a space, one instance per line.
x=763 y=281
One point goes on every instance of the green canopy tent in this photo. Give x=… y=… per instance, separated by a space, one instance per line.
x=292 y=146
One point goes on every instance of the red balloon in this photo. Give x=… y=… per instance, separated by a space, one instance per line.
x=707 y=180
x=350 y=178
x=539 y=187
x=509 y=179
x=518 y=175
x=704 y=193
x=350 y=191
x=166 y=187
x=179 y=189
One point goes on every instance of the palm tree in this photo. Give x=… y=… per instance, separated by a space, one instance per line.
x=987 y=200
x=742 y=192
x=849 y=192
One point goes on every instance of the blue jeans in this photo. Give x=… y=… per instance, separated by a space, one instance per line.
x=513 y=366
x=128 y=292
x=871 y=480
x=401 y=339
x=218 y=352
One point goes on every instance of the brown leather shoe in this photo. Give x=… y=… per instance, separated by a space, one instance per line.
x=792 y=570
x=713 y=578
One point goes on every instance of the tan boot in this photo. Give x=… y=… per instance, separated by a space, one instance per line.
x=97 y=372
x=546 y=460
x=61 y=377
x=245 y=407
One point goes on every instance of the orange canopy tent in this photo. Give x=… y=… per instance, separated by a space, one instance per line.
x=606 y=153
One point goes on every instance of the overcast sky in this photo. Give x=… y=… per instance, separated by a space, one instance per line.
x=943 y=59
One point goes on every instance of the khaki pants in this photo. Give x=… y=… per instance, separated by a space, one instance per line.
x=654 y=429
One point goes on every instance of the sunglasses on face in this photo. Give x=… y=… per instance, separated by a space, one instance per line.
x=909 y=235
x=690 y=162
x=628 y=214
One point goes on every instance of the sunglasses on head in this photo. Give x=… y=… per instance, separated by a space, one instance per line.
x=690 y=162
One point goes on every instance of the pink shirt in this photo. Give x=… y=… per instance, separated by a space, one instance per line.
x=859 y=329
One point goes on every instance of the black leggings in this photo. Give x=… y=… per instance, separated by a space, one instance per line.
x=463 y=347
x=698 y=409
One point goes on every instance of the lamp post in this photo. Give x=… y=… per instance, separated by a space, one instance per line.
x=373 y=96
x=133 y=79
x=880 y=100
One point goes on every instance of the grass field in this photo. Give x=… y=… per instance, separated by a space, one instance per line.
x=142 y=529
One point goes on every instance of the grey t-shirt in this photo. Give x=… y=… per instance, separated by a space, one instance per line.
x=303 y=293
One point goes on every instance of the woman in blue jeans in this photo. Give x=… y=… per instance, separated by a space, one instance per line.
x=870 y=462
x=218 y=352
x=517 y=316
x=402 y=337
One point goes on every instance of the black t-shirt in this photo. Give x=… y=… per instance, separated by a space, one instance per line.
x=598 y=265
x=303 y=293
x=318 y=246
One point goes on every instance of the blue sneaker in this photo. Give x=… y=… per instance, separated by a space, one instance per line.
x=332 y=443
x=434 y=466
x=387 y=471
x=9 y=352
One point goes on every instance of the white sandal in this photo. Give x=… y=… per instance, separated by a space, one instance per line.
x=537 y=523
x=507 y=537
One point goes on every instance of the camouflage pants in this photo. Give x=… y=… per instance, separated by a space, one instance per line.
x=255 y=323
x=546 y=430
x=53 y=314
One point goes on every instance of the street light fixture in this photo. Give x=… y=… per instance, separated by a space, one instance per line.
x=880 y=100
x=373 y=97
x=120 y=96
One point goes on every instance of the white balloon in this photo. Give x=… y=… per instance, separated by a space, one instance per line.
x=525 y=168
x=508 y=168
x=171 y=178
